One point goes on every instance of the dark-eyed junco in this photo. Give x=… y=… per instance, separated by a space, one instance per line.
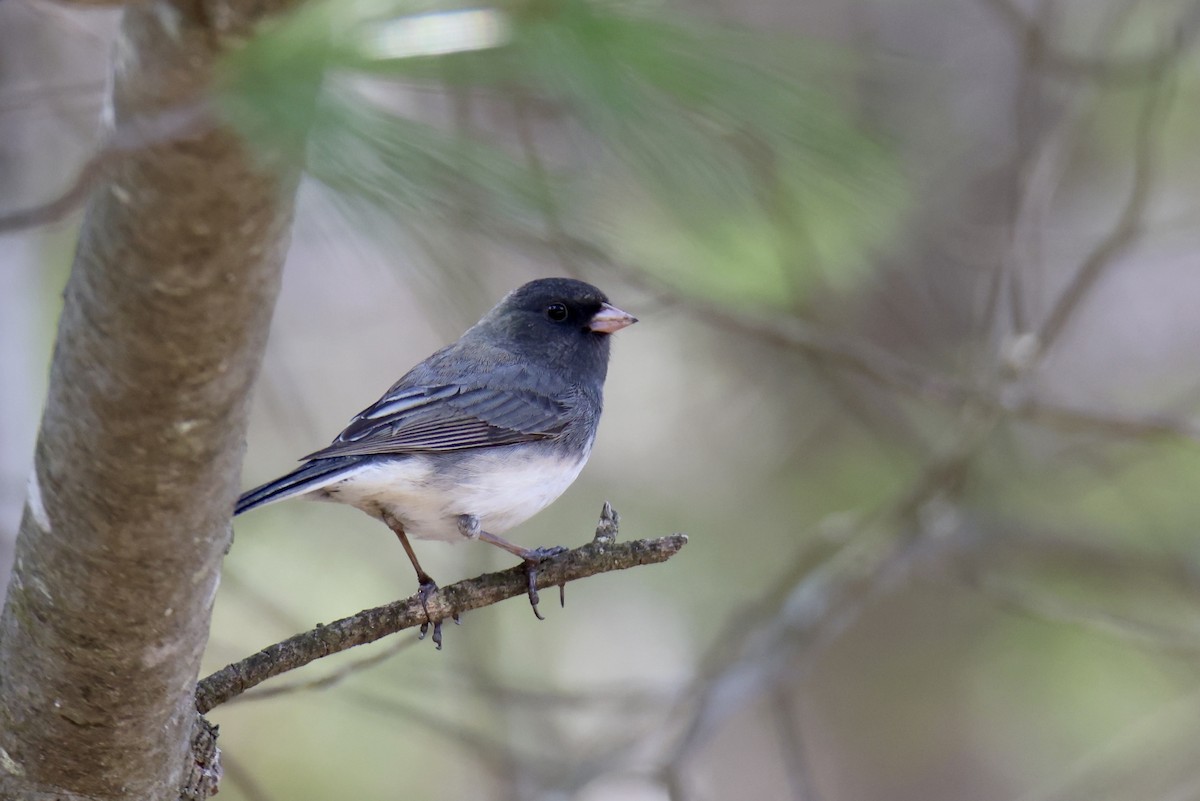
x=480 y=436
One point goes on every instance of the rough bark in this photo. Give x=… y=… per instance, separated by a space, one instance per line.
x=137 y=462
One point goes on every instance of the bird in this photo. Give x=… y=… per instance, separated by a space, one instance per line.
x=478 y=437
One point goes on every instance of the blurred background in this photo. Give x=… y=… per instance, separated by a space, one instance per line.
x=916 y=371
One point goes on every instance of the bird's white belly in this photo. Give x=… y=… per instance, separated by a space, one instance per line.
x=501 y=488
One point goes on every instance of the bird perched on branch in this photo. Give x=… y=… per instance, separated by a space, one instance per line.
x=480 y=436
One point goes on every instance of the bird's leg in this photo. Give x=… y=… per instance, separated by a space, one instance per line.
x=468 y=526
x=532 y=556
x=426 y=585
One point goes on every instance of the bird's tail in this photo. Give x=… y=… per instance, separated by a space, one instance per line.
x=306 y=478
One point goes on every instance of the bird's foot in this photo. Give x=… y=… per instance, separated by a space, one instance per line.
x=424 y=592
x=533 y=558
x=468 y=526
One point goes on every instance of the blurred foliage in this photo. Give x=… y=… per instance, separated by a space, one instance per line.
x=725 y=146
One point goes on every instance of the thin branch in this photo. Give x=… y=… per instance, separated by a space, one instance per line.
x=616 y=698
x=1112 y=424
x=496 y=755
x=1004 y=568
x=1151 y=732
x=132 y=136
x=1040 y=160
x=863 y=357
x=785 y=717
x=803 y=615
x=327 y=681
x=1111 y=70
x=243 y=778
x=881 y=366
x=1125 y=232
x=1047 y=607
x=599 y=556
x=47 y=97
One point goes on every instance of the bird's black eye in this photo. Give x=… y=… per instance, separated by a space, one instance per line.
x=556 y=312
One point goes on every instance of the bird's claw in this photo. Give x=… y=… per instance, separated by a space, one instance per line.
x=437 y=633
x=533 y=558
x=424 y=593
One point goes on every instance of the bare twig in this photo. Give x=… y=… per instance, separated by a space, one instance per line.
x=1111 y=424
x=863 y=357
x=1041 y=153
x=43 y=97
x=1128 y=225
x=1048 y=607
x=372 y=624
x=327 y=681
x=785 y=718
x=892 y=371
x=616 y=699
x=1004 y=569
x=243 y=778
x=806 y=612
x=496 y=755
x=1153 y=731
x=1113 y=70
x=130 y=137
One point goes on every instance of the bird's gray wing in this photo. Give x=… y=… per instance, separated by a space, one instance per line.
x=449 y=417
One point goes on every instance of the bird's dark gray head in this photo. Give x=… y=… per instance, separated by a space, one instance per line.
x=563 y=323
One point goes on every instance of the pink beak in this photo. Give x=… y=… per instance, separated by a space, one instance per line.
x=610 y=319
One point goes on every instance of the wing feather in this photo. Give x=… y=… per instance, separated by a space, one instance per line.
x=449 y=417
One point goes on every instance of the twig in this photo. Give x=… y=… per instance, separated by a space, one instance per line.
x=829 y=589
x=609 y=699
x=132 y=136
x=41 y=97
x=1046 y=607
x=496 y=755
x=1038 y=164
x=1153 y=732
x=1129 y=223
x=1004 y=568
x=785 y=717
x=599 y=556
x=336 y=677
x=879 y=365
x=860 y=356
x=1111 y=424
x=1112 y=70
x=243 y=778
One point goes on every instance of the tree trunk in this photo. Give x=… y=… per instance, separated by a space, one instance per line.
x=137 y=461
